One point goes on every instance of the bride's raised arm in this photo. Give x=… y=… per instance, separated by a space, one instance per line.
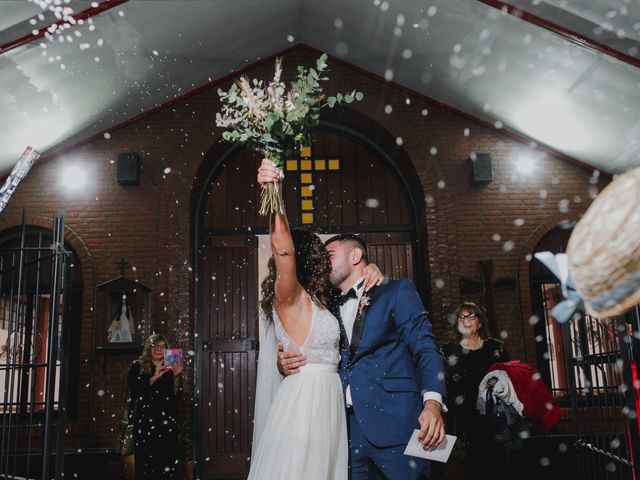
x=287 y=288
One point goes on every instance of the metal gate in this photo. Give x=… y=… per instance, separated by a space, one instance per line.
x=34 y=354
x=600 y=361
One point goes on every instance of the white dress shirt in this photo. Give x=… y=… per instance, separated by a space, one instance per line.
x=348 y=313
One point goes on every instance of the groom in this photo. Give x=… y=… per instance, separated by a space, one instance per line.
x=391 y=368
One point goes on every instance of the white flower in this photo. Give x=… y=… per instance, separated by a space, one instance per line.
x=365 y=301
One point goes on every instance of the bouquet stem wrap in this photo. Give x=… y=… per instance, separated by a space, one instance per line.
x=271 y=200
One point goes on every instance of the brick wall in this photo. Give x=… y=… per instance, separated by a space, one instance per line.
x=151 y=226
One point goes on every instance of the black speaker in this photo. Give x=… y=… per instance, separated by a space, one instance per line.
x=481 y=169
x=128 y=169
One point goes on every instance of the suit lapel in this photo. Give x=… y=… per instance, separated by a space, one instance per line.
x=343 y=333
x=334 y=308
x=358 y=325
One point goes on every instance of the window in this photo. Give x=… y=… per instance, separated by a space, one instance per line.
x=586 y=348
x=25 y=313
x=582 y=352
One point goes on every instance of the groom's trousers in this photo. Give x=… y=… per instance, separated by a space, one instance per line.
x=368 y=462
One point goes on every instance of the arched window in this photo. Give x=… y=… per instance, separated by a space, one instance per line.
x=26 y=262
x=579 y=356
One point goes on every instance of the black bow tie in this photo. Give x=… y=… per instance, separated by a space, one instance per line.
x=342 y=299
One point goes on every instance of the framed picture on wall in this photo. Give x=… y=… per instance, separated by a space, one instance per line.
x=122 y=326
x=123 y=313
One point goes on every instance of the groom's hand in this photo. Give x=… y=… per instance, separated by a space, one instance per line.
x=290 y=362
x=431 y=425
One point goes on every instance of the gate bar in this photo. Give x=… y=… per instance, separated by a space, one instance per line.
x=52 y=347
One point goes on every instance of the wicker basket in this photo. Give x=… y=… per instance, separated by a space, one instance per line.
x=604 y=248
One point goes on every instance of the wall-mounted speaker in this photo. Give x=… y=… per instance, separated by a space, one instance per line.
x=128 y=169
x=481 y=169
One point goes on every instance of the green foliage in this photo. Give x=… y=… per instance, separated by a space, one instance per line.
x=271 y=119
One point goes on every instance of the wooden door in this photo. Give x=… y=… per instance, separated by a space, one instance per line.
x=229 y=275
x=337 y=186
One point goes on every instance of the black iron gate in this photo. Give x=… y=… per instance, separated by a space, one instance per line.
x=34 y=354
x=600 y=361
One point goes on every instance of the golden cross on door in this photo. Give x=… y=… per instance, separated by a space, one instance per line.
x=307 y=167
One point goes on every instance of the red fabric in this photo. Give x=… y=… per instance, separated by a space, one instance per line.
x=535 y=396
x=636 y=390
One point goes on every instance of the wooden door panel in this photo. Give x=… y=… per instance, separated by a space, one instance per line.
x=363 y=192
x=392 y=252
x=229 y=355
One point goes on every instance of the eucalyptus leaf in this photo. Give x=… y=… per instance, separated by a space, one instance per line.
x=321 y=63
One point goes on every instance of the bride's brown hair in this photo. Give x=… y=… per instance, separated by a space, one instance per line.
x=312 y=270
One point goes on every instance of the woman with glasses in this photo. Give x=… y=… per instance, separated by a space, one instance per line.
x=154 y=390
x=468 y=357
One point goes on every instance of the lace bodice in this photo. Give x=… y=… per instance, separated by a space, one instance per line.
x=323 y=343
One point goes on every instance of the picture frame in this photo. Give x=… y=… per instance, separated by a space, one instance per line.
x=122 y=315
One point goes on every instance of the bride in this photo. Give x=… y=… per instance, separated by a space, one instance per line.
x=300 y=428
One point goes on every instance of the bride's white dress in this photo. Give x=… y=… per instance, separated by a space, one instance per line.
x=305 y=432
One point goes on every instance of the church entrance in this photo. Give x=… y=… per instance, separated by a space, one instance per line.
x=340 y=184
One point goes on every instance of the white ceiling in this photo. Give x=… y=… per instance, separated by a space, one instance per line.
x=503 y=69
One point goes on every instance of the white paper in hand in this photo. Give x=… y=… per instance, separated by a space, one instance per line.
x=439 y=454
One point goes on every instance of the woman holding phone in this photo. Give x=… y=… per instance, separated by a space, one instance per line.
x=154 y=390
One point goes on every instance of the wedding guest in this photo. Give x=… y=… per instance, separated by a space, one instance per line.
x=155 y=390
x=468 y=357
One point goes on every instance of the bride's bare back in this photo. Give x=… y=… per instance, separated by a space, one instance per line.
x=296 y=319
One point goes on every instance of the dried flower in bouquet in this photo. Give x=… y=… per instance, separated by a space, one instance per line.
x=275 y=122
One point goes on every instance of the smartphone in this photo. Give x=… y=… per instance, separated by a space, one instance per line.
x=172 y=356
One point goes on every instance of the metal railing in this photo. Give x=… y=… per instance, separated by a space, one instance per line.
x=597 y=361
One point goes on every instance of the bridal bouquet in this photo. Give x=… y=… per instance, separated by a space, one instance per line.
x=275 y=122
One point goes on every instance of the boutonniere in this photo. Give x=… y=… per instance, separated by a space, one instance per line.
x=364 y=303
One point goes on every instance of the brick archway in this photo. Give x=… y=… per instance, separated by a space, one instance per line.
x=225 y=257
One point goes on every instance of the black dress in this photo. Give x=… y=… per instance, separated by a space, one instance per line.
x=155 y=432
x=464 y=371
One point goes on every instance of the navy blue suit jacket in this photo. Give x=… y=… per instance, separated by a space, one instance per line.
x=395 y=361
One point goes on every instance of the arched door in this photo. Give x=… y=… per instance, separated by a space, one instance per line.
x=338 y=185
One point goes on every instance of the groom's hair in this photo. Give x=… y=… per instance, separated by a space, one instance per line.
x=354 y=241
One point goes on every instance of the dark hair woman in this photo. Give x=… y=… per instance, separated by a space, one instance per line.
x=468 y=357
x=305 y=432
x=312 y=271
x=154 y=391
